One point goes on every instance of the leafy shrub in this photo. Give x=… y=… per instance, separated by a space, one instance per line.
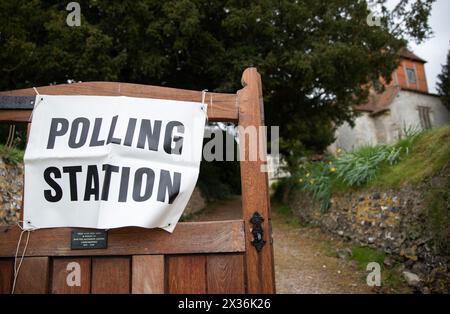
x=348 y=169
x=359 y=167
x=316 y=180
x=11 y=155
x=411 y=131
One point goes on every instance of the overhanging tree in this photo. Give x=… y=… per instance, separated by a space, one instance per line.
x=314 y=56
x=443 y=85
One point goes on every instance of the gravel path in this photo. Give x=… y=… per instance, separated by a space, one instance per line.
x=304 y=256
x=305 y=263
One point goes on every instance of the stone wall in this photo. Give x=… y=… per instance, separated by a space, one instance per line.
x=11 y=185
x=395 y=221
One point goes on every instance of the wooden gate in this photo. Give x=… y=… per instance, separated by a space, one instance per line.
x=198 y=257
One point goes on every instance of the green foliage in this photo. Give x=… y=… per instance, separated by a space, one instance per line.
x=408 y=18
x=352 y=169
x=19 y=136
x=364 y=255
x=219 y=180
x=347 y=170
x=390 y=277
x=314 y=56
x=361 y=166
x=315 y=178
x=287 y=216
x=437 y=218
x=410 y=131
x=11 y=155
x=281 y=188
x=443 y=84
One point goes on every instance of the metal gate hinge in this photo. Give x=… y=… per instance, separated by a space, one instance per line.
x=257 y=231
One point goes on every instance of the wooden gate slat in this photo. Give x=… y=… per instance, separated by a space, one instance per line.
x=188 y=237
x=221 y=106
x=60 y=273
x=110 y=275
x=33 y=275
x=225 y=273
x=187 y=274
x=147 y=274
x=6 y=275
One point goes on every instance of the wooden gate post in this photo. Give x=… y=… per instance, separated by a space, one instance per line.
x=255 y=195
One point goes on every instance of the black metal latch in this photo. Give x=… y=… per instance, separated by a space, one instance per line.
x=257 y=231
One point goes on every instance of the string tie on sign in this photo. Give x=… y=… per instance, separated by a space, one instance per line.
x=39 y=99
x=17 y=266
x=204 y=105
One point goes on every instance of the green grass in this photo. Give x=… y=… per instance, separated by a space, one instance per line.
x=11 y=155
x=287 y=216
x=437 y=218
x=364 y=255
x=429 y=153
x=390 y=277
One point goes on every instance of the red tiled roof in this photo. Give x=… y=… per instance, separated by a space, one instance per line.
x=378 y=102
x=407 y=54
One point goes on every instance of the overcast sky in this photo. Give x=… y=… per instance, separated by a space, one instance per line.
x=435 y=49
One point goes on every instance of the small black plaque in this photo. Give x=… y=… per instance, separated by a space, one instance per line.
x=89 y=239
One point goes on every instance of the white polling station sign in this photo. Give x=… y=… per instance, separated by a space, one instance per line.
x=109 y=162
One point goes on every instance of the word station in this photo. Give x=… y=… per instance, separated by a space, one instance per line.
x=75 y=134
